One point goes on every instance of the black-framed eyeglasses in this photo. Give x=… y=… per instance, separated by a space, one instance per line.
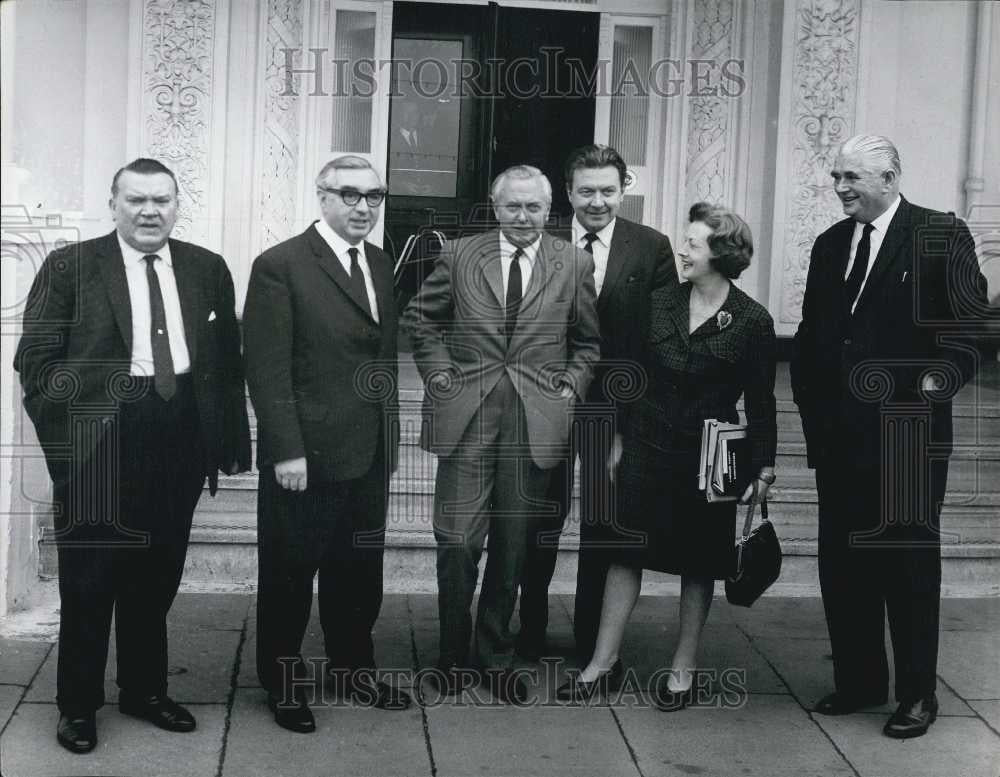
x=352 y=197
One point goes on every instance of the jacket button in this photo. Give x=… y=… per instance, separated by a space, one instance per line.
x=847 y=341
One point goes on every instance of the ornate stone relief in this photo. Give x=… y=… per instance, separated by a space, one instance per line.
x=177 y=56
x=709 y=115
x=279 y=171
x=823 y=93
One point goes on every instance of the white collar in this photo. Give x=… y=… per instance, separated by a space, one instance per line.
x=604 y=236
x=133 y=256
x=881 y=224
x=337 y=244
x=507 y=248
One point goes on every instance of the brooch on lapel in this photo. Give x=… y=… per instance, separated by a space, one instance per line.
x=723 y=319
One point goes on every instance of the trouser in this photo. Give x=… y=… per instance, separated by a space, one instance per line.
x=592 y=433
x=489 y=485
x=879 y=552
x=338 y=531
x=122 y=523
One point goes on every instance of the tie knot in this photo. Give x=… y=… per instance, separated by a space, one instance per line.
x=353 y=253
x=867 y=230
x=518 y=253
x=150 y=259
x=590 y=237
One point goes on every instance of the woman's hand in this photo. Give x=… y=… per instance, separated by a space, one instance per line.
x=763 y=483
x=614 y=456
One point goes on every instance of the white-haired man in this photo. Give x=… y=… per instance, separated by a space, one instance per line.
x=505 y=335
x=892 y=296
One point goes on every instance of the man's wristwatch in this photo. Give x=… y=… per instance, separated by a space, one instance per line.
x=767 y=477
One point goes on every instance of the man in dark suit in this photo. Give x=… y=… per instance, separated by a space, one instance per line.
x=130 y=364
x=630 y=260
x=320 y=329
x=892 y=295
x=505 y=336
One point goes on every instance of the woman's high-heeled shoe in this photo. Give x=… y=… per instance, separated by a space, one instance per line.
x=666 y=700
x=577 y=690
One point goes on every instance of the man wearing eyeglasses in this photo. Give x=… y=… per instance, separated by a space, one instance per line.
x=320 y=346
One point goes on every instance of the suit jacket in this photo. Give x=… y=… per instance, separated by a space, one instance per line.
x=322 y=373
x=76 y=351
x=923 y=293
x=456 y=324
x=640 y=260
x=702 y=374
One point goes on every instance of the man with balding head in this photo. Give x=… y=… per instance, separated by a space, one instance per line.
x=505 y=335
x=130 y=363
x=893 y=295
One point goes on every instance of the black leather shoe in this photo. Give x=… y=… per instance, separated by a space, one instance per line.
x=837 y=703
x=530 y=647
x=912 y=720
x=579 y=691
x=452 y=680
x=363 y=688
x=161 y=711
x=77 y=733
x=507 y=687
x=293 y=716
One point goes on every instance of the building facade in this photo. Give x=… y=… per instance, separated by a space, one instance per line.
x=741 y=102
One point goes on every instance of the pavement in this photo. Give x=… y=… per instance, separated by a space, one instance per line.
x=771 y=664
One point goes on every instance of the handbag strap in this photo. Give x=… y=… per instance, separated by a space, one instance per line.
x=747 y=524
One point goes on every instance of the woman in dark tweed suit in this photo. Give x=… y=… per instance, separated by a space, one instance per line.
x=707 y=344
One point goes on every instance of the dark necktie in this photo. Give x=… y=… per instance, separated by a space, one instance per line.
x=590 y=237
x=852 y=286
x=514 y=293
x=358 y=288
x=164 y=379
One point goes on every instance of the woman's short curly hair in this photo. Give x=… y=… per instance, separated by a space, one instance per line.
x=731 y=241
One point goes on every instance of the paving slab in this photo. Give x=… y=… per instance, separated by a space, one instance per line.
x=989 y=711
x=125 y=745
x=10 y=697
x=969 y=661
x=767 y=737
x=954 y=746
x=806 y=666
x=200 y=668
x=800 y=618
x=20 y=659
x=526 y=741
x=211 y=612
x=649 y=647
x=971 y=614
x=348 y=741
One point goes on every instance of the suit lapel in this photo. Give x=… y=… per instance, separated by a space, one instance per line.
x=189 y=294
x=487 y=254
x=618 y=253
x=331 y=265
x=382 y=281
x=895 y=237
x=113 y=273
x=679 y=311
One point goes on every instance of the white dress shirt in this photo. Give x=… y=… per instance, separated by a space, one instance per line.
x=879 y=227
x=339 y=247
x=526 y=262
x=138 y=294
x=601 y=248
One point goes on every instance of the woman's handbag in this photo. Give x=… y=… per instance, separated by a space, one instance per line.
x=758 y=559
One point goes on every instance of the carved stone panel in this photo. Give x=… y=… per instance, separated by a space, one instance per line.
x=279 y=163
x=178 y=42
x=821 y=116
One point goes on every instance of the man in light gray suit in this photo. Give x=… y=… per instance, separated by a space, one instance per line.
x=505 y=335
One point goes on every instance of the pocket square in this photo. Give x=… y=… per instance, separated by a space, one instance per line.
x=211 y=316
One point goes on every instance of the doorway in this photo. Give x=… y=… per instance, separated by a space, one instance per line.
x=474 y=90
